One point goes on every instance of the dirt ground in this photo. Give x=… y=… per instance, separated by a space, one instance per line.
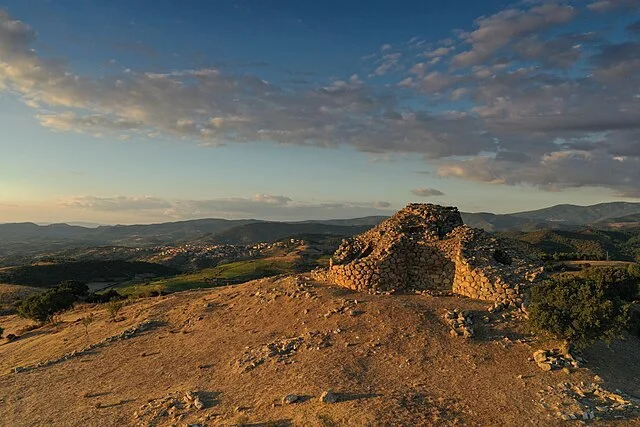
x=389 y=359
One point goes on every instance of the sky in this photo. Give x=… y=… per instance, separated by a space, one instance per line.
x=162 y=110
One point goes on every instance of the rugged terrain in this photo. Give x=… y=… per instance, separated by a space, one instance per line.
x=388 y=359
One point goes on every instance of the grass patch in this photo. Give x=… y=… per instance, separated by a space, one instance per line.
x=225 y=274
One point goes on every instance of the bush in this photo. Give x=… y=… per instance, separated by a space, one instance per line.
x=77 y=288
x=113 y=307
x=1 y=331
x=44 y=306
x=581 y=310
x=110 y=295
x=618 y=282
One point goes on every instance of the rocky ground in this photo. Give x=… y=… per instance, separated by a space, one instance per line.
x=292 y=351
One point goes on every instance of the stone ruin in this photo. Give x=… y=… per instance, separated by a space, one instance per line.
x=426 y=247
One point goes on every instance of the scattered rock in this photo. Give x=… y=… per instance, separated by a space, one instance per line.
x=548 y=360
x=582 y=401
x=290 y=398
x=328 y=397
x=460 y=323
x=280 y=350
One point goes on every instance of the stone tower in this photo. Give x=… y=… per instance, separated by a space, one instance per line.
x=426 y=247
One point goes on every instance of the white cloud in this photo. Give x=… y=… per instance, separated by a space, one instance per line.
x=504 y=27
x=534 y=96
x=426 y=192
x=603 y=6
x=260 y=206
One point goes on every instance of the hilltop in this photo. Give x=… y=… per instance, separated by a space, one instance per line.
x=390 y=360
x=307 y=349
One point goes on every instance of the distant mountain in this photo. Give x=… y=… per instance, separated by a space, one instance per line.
x=594 y=244
x=632 y=220
x=29 y=238
x=496 y=222
x=559 y=216
x=581 y=215
x=364 y=221
x=272 y=231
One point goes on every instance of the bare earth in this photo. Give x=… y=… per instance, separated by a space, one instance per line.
x=389 y=359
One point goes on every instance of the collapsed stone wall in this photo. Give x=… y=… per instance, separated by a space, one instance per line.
x=427 y=247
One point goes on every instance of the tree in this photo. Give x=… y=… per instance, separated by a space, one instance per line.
x=86 y=322
x=581 y=310
x=113 y=307
x=77 y=288
x=44 y=306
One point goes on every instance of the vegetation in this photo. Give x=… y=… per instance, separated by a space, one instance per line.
x=42 y=307
x=1 y=331
x=224 y=274
x=583 y=309
x=113 y=308
x=586 y=244
x=44 y=275
x=86 y=322
x=105 y=296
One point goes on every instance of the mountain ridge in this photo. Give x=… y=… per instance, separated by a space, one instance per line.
x=28 y=236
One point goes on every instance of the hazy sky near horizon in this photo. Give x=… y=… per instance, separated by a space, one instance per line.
x=160 y=110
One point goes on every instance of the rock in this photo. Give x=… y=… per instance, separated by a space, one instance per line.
x=544 y=366
x=328 y=397
x=199 y=404
x=540 y=356
x=290 y=398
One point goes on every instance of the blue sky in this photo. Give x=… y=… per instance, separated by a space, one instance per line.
x=147 y=111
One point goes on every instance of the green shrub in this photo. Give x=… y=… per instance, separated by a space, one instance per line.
x=77 y=288
x=581 y=310
x=86 y=322
x=617 y=282
x=109 y=295
x=44 y=306
x=113 y=307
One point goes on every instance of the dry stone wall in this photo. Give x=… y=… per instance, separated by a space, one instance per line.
x=427 y=247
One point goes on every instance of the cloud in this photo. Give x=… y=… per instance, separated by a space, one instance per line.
x=507 y=26
x=261 y=206
x=426 y=192
x=603 y=6
x=554 y=171
x=115 y=204
x=521 y=99
x=634 y=28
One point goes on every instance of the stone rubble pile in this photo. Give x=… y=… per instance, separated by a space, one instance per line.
x=549 y=360
x=460 y=323
x=172 y=408
x=426 y=247
x=588 y=402
x=126 y=334
x=280 y=350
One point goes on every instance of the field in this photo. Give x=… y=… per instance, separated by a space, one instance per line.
x=231 y=273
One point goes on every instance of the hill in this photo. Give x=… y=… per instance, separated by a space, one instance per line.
x=585 y=243
x=388 y=359
x=627 y=221
x=581 y=215
x=51 y=274
x=22 y=239
x=273 y=231
x=504 y=222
